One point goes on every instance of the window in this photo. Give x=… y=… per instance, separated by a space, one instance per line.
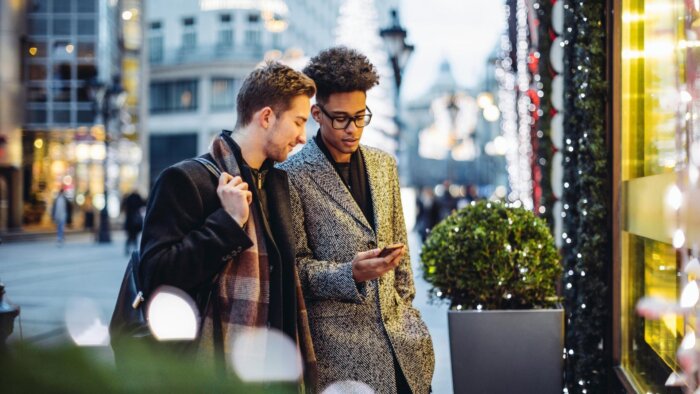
x=155 y=42
x=37 y=26
x=225 y=36
x=189 y=33
x=86 y=26
x=173 y=96
x=223 y=93
x=252 y=33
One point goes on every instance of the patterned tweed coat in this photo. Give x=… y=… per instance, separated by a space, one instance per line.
x=356 y=326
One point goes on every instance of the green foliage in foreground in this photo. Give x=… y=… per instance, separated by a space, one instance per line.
x=70 y=369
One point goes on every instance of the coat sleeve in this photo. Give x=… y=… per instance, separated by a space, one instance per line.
x=403 y=274
x=321 y=280
x=180 y=246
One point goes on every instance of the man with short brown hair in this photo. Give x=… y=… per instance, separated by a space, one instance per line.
x=233 y=238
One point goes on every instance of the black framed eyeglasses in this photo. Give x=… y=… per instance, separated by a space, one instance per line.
x=341 y=122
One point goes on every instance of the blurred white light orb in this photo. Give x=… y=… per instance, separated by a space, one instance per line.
x=84 y=323
x=172 y=315
x=265 y=355
x=690 y=295
x=348 y=387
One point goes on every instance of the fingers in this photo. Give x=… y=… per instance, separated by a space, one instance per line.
x=368 y=254
x=225 y=178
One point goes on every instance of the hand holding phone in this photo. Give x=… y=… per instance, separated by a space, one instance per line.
x=389 y=249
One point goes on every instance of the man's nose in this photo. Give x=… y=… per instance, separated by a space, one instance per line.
x=351 y=127
x=301 y=139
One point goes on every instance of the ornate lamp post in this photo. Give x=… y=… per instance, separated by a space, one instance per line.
x=394 y=38
x=108 y=101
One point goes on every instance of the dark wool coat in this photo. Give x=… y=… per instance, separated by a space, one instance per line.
x=187 y=237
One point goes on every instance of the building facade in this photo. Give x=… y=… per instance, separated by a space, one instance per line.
x=65 y=51
x=11 y=103
x=199 y=53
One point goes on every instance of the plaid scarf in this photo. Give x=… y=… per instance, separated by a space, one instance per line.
x=243 y=292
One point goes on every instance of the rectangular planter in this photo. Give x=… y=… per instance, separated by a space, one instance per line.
x=507 y=351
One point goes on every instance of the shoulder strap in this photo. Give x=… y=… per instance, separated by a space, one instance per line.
x=209 y=165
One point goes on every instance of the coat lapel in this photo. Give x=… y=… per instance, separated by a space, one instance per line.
x=328 y=180
x=376 y=181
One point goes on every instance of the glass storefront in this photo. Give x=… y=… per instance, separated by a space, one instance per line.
x=658 y=44
x=74 y=161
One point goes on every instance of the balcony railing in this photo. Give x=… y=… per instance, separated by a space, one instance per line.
x=206 y=54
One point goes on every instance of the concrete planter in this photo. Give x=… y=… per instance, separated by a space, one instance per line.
x=507 y=351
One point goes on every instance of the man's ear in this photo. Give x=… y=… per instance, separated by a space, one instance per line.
x=265 y=117
x=316 y=113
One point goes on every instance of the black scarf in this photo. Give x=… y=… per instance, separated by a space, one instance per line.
x=356 y=181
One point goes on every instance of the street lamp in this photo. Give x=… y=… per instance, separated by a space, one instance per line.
x=394 y=38
x=107 y=101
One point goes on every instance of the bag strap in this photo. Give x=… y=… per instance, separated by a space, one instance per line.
x=209 y=165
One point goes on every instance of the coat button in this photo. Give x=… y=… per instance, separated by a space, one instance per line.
x=371 y=245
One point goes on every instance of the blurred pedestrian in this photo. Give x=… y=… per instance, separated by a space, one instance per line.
x=88 y=214
x=133 y=219
x=59 y=214
x=446 y=202
x=428 y=212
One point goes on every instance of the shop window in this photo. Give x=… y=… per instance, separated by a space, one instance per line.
x=653 y=72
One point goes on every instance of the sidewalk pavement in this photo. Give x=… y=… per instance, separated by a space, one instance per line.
x=42 y=278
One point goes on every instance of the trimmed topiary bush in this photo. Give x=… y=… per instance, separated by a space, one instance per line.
x=492 y=256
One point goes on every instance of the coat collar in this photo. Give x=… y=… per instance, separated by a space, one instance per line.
x=328 y=180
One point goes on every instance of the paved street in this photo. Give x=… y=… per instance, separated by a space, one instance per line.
x=43 y=278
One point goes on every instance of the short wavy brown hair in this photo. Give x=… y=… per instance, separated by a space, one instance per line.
x=340 y=70
x=273 y=85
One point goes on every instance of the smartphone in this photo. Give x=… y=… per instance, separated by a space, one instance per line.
x=389 y=249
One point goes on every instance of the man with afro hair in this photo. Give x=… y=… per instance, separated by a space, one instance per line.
x=346 y=205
